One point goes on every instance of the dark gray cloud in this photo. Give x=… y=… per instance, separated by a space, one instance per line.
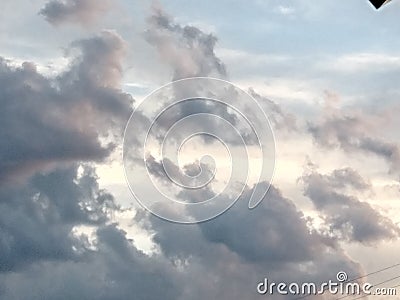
x=241 y=246
x=268 y=235
x=187 y=49
x=236 y=251
x=274 y=239
x=115 y=270
x=48 y=126
x=37 y=218
x=49 y=120
x=34 y=124
x=346 y=217
x=81 y=12
x=51 y=127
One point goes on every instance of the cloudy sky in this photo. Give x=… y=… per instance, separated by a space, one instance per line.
x=71 y=73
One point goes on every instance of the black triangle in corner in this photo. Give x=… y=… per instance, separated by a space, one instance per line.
x=377 y=3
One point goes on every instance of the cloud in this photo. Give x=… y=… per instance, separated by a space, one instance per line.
x=236 y=250
x=116 y=270
x=54 y=128
x=356 y=131
x=187 y=49
x=62 y=119
x=238 y=247
x=37 y=218
x=345 y=216
x=83 y=12
x=241 y=246
x=277 y=116
x=269 y=237
x=193 y=174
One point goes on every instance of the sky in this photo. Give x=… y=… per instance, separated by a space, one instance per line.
x=73 y=71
